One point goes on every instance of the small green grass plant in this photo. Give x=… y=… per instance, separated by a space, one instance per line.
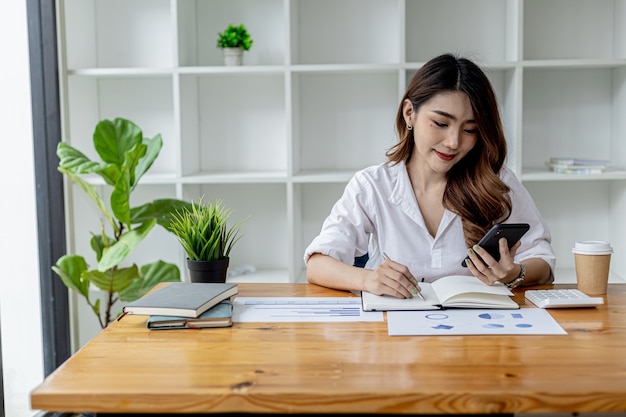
x=203 y=232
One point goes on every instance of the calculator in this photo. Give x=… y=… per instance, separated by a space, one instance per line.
x=565 y=298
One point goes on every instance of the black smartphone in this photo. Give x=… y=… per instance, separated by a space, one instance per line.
x=511 y=231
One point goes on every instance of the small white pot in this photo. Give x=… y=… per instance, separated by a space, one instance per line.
x=232 y=56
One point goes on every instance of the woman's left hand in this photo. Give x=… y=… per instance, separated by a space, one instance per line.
x=484 y=267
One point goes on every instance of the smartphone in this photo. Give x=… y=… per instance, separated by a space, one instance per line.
x=511 y=231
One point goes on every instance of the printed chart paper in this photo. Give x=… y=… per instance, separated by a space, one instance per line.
x=472 y=321
x=301 y=309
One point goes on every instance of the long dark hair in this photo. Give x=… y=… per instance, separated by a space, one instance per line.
x=474 y=189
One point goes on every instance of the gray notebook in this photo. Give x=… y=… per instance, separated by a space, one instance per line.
x=181 y=299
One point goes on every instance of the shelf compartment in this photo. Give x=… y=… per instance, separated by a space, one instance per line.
x=86 y=219
x=146 y=101
x=564 y=121
x=117 y=33
x=585 y=29
x=200 y=21
x=264 y=235
x=594 y=211
x=312 y=204
x=343 y=121
x=345 y=31
x=491 y=35
x=224 y=130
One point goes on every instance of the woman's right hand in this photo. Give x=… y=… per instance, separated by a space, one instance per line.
x=393 y=278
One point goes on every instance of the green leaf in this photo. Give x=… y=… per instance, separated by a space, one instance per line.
x=161 y=210
x=96 y=308
x=98 y=243
x=116 y=253
x=72 y=160
x=113 y=138
x=151 y=275
x=131 y=161
x=113 y=280
x=153 y=148
x=92 y=193
x=70 y=269
x=120 y=199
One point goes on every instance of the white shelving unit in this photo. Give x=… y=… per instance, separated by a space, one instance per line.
x=278 y=138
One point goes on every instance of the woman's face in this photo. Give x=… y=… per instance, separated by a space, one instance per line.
x=444 y=130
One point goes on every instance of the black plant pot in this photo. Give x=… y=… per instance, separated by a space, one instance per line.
x=208 y=271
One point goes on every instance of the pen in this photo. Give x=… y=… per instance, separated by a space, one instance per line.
x=417 y=290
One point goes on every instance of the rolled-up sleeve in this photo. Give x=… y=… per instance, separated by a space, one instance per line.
x=536 y=243
x=345 y=232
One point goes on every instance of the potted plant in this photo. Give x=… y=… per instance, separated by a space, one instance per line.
x=126 y=155
x=233 y=41
x=204 y=234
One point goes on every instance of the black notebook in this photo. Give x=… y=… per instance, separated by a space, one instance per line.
x=220 y=315
x=181 y=299
x=458 y=291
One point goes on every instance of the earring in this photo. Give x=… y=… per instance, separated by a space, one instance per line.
x=409 y=127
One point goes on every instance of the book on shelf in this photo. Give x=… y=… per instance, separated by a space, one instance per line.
x=220 y=315
x=577 y=170
x=181 y=299
x=578 y=161
x=577 y=166
x=453 y=291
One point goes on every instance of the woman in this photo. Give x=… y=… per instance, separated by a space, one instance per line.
x=444 y=185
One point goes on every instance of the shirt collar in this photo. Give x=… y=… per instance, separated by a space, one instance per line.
x=402 y=196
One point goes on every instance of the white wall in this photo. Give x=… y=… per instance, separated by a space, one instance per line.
x=20 y=311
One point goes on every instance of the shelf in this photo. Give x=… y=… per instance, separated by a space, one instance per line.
x=279 y=137
x=538 y=174
x=234 y=177
x=573 y=63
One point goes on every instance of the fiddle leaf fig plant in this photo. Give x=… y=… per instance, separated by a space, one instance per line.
x=126 y=155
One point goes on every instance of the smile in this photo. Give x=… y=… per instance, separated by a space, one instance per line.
x=445 y=156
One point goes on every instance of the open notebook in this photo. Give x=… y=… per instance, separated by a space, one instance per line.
x=454 y=291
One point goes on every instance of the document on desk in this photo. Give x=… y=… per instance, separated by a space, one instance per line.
x=301 y=309
x=472 y=321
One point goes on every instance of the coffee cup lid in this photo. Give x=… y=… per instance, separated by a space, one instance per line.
x=592 y=247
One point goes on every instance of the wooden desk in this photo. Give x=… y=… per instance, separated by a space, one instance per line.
x=345 y=367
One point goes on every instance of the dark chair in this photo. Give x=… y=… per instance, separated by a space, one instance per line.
x=360 y=261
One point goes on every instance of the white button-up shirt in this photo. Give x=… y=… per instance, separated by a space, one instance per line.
x=378 y=212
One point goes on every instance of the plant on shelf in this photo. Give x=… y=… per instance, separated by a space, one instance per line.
x=126 y=155
x=204 y=234
x=233 y=41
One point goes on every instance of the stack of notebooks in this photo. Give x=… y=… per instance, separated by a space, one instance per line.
x=186 y=306
x=577 y=165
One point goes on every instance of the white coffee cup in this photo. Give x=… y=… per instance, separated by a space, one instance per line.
x=593 y=261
